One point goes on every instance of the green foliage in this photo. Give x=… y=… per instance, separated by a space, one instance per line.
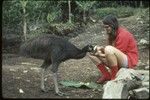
x=35 y=33
x=119 y=11
x=102 y=12
x=49 y=12
x=68 y=25
x=37 y=30
x=125 y=11
x=11 y=17
x=142 y=17
x=24 y=3
x=75 y=84
x=62 y=28
x=51 y=17
x=38 y=10
x=139 y=12
x=85 y=5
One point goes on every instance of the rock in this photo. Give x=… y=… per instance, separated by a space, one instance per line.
x=143 y=41
x=141 y=93
x=147 y=62
x=125 y=84
x=147 y=67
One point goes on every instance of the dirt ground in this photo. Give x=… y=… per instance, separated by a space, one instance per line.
x=23 y=73
x=19 y=73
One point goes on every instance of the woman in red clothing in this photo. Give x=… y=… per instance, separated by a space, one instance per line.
x=121 y=50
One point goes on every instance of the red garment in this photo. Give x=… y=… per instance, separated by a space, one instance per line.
x=105 y=74
x=126 y=43
x=114 y=70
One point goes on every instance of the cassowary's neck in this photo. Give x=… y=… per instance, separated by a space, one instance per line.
x=80 y=53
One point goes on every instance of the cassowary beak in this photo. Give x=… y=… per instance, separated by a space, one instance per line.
x=91 y=48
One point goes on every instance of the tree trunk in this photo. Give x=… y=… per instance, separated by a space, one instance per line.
x=69 y=7
x=141 y=4
x=24 y=24
x=84 y=17
x=120 y=3
x=24 y=3
x=136 y=4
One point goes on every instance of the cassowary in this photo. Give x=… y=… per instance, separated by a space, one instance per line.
x=53 y=50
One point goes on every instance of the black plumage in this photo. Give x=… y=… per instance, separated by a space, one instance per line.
x=53 y=50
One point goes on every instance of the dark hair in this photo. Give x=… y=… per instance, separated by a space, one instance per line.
x=112 y=21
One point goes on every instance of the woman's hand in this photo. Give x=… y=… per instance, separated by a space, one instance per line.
x=98 y=56
x=100 y=51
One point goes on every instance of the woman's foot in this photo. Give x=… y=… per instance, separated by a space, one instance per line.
x=103 y=79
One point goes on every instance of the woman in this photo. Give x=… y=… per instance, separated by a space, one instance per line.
x=121 y=50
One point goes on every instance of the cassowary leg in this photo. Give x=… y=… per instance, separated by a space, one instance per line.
x=55 y=82
x=54 y=70
x=56 y=85
x=42 y=79
x=43 y=70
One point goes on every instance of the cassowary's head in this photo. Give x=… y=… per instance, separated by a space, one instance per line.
x=88 y=48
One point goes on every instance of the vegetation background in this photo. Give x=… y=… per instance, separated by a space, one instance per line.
x=24 y=19
x=77 y=21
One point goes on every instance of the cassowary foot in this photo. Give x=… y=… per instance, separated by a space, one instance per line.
x=45 y=90
x=61 y=94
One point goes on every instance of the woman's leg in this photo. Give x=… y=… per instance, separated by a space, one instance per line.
x=115 y=59
x=101 y=66
x=115 y=56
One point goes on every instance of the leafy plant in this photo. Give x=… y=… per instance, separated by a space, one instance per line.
x=124 y=11
x=85 y=6
x=76 y=84
x=119 y=11
x=51 y=17
x=102 y=12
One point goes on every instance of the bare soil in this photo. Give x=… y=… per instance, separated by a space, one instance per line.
x=19 y=73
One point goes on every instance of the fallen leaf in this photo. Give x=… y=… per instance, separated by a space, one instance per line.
x=26 y=63
x=21 y=91
x=25 y=71
x=13 y=70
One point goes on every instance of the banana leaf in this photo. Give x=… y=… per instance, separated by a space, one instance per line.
x=76 y=84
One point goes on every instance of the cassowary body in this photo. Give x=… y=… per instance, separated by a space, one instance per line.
x=53 y=50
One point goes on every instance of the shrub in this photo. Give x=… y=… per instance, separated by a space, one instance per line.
x=102 y=12
x=125 y=11
x=53 y=16
x=119 y=11
x=62 y=28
